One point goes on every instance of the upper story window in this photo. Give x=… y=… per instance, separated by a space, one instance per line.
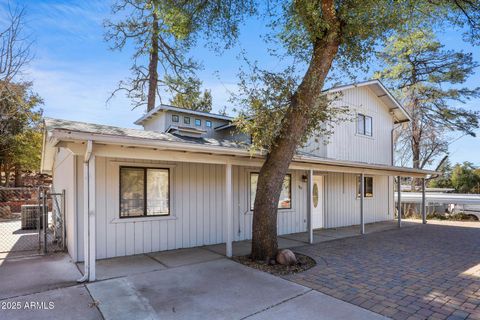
x=208 y=123
x=285 y=201
x=367 y=187
x=186 y=120
x=144 y=192
x=175 y=118
x=198 y=122
x=364 y=125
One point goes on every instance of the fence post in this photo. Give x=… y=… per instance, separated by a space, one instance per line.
x=63 y=215
x=45 y=220
x=39 y=217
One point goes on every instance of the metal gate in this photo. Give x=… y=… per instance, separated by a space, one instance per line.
x=31 y=221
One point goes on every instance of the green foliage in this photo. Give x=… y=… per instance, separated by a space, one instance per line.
x=466 y=178
x=180 y=24
x=445 y=179
x=428 y=80
x=266 y=97
x=190 y=97
x=20 y=132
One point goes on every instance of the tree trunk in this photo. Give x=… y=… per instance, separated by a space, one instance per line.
x=416 y=135
x=273 y=171
x=153 y=64
x=7 y=176
x=18 y=177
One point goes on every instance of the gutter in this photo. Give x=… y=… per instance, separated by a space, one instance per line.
x=216 y=149
x=86 y=207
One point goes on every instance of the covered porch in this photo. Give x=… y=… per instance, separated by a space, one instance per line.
x=98 y=158
x=294 y=240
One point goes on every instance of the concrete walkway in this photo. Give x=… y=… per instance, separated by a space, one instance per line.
x=179 y=284
x=294 y=240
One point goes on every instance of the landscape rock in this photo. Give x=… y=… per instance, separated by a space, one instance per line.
x=286 y=257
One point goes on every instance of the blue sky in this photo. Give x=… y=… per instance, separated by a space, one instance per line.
x=75 y=72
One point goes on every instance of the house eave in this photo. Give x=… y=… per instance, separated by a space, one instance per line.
x=240 y=155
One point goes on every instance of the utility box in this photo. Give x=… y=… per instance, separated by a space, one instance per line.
x=30 y=215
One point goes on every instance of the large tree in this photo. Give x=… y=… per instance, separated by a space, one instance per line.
x=429 y=80
x=191 y=97
x=324 y=34
x=20 y=132
x=318 y=35
x=162 y=33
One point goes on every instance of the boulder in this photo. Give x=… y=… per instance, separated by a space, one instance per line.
x=286 y=257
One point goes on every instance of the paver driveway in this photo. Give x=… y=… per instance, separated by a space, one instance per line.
x=426 y=271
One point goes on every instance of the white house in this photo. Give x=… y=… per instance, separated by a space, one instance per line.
x=188 y=179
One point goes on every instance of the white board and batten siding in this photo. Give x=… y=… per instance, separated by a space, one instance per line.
x=345 y=144
x=197 y=209
x=65 y=179
x=289 y=220
x=342 y=206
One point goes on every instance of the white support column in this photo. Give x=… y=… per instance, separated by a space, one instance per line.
x=310 y=206
x=424 y=211
x=229 y=209
x=399 y=202
x=91 y=217
x=86 y=243
x=362 y=192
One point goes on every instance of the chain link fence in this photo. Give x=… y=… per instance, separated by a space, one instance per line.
x=23 y=214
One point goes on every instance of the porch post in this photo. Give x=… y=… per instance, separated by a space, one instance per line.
x=86 y=251
x=424 y=212
x=399 y=202
x=310 y=206
x=362 y=191
x=229 y=211
x=91 y=217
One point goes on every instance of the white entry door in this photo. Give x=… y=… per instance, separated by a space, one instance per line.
x=317 y=205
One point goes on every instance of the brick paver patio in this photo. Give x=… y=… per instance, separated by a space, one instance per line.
x=423 y=272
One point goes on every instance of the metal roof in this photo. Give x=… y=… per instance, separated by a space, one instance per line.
x=456 y=198
x=57 y=130
x=377 y=87
x=99 y=129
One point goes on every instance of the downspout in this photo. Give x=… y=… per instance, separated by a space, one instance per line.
x=86 y=206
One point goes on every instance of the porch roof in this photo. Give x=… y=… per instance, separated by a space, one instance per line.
x=140 y=144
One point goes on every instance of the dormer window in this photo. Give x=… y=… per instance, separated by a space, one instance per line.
x=364 y=125
x=175 y=118
x=208 y=123
x=186 y=120
x=198 y=122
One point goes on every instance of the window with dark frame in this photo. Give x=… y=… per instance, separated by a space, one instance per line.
x=367 y=187
x=364 y=125
x=186 y=120
x=285 y=201
x=144 y=192
x=208 y=123
x=198 y=122
x=175 y=118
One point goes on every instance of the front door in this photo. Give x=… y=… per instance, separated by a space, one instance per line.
x=317 y=205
